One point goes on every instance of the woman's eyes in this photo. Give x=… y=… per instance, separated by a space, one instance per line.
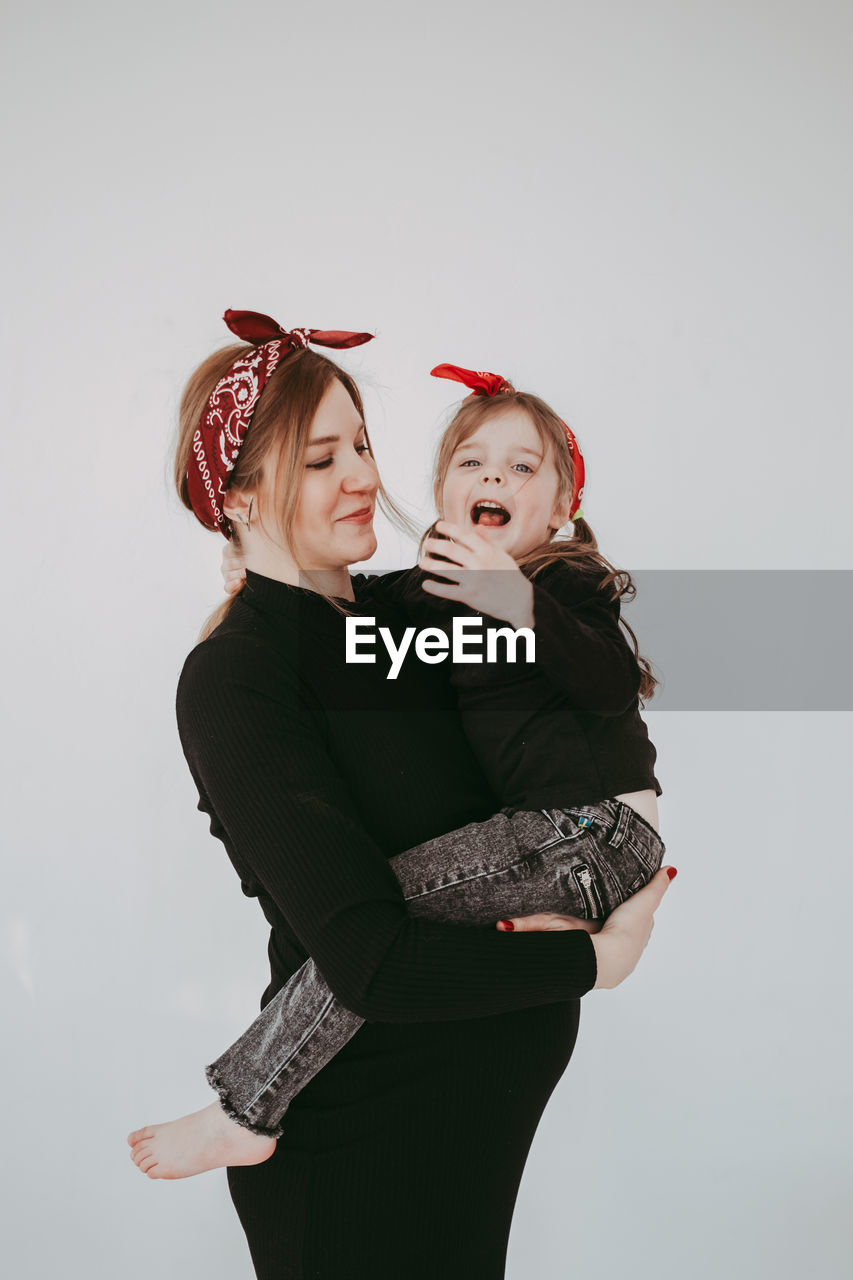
x=327 y=462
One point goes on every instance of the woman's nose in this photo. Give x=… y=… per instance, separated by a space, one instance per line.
x=362 y=476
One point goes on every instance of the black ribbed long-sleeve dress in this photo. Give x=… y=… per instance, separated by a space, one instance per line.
x=403 y=1156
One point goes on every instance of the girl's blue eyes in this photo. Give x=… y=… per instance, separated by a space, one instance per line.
x=327 y=462
x=475 y=463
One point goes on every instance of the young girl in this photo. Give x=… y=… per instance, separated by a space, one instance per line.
x=560 y=740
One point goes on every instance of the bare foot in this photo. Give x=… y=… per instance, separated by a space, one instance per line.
x=205 y=1140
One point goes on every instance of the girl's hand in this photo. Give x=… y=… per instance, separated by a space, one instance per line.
x=233 y=569
x=506 y=595
x=622 y=939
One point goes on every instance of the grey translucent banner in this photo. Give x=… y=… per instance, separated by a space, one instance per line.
x=718 y=639
x=747 y=640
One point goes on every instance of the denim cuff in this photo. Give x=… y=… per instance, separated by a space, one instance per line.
x=216 y=1083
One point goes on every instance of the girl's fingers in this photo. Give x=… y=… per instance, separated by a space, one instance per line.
x=441 y=570
x=459 y=536
x=437 y=547
x=231 y=562
x=449 y=529
x=448 y=591
x=438 y=565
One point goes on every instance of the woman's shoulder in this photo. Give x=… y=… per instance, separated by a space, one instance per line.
x=383 y=585
x=392 y=591
x=242 y=651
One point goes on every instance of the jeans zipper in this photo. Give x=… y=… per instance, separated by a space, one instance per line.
x=588 y=890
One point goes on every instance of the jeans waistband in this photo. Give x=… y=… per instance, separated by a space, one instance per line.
x=612 y=819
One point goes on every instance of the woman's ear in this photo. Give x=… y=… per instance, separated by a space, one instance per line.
x=237 y=505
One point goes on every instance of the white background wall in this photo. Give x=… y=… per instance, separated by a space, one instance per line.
x=642 y=212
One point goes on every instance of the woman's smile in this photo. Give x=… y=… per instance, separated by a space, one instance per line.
x=362 y=516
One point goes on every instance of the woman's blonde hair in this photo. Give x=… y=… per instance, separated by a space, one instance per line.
x=581 y=549
x=273 y=450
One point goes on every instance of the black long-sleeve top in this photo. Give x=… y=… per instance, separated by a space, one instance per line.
x=565 y=729
x=314 y=772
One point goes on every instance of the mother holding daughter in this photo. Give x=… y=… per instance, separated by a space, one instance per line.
x=435 y=881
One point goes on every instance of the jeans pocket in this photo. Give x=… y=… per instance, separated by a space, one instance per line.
x=627 y=868
x=647 y=849
x=560 y=827
x=604 y=876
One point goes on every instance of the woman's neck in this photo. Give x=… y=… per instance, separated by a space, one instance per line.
x=272 y=563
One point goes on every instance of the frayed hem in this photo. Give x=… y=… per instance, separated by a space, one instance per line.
x=232 y=1113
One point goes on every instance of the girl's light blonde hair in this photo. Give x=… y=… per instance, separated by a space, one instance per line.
x=581 y=548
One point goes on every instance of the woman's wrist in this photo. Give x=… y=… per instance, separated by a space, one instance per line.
x=600 y=949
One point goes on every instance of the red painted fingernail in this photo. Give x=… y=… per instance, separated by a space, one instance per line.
x=671 y=872
x=506 y=924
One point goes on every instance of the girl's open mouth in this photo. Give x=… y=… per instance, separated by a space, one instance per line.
x=490 y=513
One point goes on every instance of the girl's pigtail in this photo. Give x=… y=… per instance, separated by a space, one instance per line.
x=581 y=551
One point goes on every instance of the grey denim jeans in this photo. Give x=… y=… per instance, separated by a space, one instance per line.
x=583 y=861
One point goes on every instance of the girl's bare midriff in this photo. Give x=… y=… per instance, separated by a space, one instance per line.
x=645 y=803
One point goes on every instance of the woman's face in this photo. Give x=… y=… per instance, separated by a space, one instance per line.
x=333 y=525
x=506 y=466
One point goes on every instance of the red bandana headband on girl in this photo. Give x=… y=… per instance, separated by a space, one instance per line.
x=229 y=410
x=492 y=384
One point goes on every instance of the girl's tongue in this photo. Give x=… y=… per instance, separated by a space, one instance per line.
x=490 y=513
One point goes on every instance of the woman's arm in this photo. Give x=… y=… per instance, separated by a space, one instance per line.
x=257 y=750
x=622 y=938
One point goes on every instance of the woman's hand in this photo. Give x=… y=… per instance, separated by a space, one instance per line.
x=506 y=595
x=233 y=569
x=621 y=940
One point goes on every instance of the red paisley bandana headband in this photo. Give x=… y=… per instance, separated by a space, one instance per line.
x=228 y=413
x=493 y=384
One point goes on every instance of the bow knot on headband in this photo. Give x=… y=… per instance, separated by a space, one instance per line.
x=256 y=328
x=488 y=384
x=228 y=413
x=493 y=384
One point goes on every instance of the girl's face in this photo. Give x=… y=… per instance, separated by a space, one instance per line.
x=503 y=481
x=333 y=525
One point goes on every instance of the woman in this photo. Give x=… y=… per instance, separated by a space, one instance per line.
x=404 y=1154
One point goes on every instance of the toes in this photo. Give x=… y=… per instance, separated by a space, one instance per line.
x=140 y=1153
x=139 y=1135
x=149 y=1165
